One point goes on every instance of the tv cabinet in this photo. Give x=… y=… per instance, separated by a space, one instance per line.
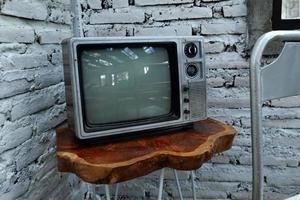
x=124 y=160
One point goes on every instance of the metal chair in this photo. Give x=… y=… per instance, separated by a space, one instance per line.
x=276 y=80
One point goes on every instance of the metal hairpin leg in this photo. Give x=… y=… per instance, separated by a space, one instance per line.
x=161 y=184
x=193 y=185
x=178 y=184
x=91 y=191
x=116 y=192
x=107 y=193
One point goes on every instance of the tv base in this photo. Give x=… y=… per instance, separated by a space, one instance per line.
x=124 y=160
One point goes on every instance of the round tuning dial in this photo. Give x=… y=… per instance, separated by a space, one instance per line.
x=190 y=50
x=192 y=70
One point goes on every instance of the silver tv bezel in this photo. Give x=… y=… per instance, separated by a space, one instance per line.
x=70 y=52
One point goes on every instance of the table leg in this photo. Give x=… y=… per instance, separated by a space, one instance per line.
x=178 y=184
x=193 y=185
x=161 y=184
x=91 y=191
x=92 y=188
x=116 y=192
x=107 y=193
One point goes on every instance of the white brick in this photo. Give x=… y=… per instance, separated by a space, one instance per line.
x=121 y=16
x=164 y=31
x=11 y=138
x=214 y=47
x=286 y=102
x=216 y=82
x=32 y=149
x=241 y=195
x=60 y=16
x=217 y=186
x=13 y=48
x=288 y=176
x=16 y=34
x=120 y=3
x=226 y=39
x=230 y=102
x=94 y=4
x=241 y=82
x=104 y=30
x=224 y=172
x=27 y=61
x=14 y=133
x=18 y=189
x=235 y=11
x=160 y=2
x=50 y=118
x=48 y=36
x=64 y=2
x=31 y=9
x=33 y=102
x=14 y=87
x=223 y=27
x=173 y=13
x=45 y=77
x=226 y=60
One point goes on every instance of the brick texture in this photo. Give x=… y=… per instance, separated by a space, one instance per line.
x=32 y=97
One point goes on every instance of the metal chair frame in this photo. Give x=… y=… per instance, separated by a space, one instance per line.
x=269 y=82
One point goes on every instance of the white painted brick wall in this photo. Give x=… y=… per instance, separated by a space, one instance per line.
x=32 y=97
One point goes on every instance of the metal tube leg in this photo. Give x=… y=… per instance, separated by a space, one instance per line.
x=193 y=185
x=256 y=132
x=91 y=190
x=116 y=192
x=107 y=193
x=178 y=184
x=161 y=184
x=257 y=172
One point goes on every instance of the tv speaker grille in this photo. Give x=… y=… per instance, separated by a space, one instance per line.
x=197 y=95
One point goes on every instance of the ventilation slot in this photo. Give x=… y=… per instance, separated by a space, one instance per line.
x=197 y=95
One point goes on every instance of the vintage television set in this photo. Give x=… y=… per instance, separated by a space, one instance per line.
x=123 y=85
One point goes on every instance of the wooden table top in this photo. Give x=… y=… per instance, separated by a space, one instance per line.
x=124 y=160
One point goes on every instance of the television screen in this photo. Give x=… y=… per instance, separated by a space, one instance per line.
x=125 y=83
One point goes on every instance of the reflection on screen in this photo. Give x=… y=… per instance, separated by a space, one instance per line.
x=122 y=84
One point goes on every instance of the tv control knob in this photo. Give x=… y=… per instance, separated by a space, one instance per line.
x=190 y=50
x=192 y=70
x=186 y=100
x=185 y=88
x=186 y=112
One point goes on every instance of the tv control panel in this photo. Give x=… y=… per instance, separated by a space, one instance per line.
x=194 y=85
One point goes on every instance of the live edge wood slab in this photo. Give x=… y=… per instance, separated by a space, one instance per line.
x=120 y=161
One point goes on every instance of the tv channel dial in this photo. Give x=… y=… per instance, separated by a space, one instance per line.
x=190 y=50
x=192 y=70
